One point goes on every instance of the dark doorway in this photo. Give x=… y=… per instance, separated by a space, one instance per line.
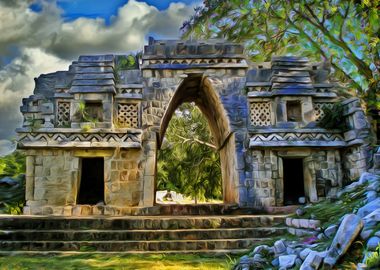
x=91 y=190
x=293 y=180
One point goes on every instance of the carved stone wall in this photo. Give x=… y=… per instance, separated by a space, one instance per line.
x=261 y=113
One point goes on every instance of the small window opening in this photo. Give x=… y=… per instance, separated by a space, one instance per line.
x=94 y=111
x=293 y=111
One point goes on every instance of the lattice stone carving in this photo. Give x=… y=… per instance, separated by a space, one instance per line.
x=128 y=115
x=63 y=114
x=318 y=109
x=260 y=113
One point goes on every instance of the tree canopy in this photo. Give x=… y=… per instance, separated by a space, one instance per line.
x=345 y=33
x=188 y=162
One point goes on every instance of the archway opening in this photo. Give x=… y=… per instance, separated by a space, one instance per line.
x=188 y=166
x=199 y=91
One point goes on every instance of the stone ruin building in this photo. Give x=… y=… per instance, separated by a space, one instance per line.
x=92 y=134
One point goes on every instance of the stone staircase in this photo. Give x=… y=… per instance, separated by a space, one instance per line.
x=215 y=234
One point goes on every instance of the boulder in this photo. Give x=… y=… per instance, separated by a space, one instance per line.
x=331 y=230
x=372 y=243
x=304 y=253
x=279 y=247
x=260 y=249
x=361 y=266
x=276 y=262
x=366 y=233
x=374 y=186
x=370 y=196
x=368 y=177
x=300 y=212
x=372 y=218
x=258 y=258
x=348 y=230
x=287 y=261
x=312 y=261
x=369 y=208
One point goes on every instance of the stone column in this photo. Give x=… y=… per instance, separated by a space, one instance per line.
x=29 y=178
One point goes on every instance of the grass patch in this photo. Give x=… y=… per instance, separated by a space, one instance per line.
x=330 y=211
x=122 y=262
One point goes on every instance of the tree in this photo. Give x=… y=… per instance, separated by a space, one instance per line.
x=346 y=33
x=188 y=162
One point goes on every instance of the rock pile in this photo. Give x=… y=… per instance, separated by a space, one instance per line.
x=307 y=255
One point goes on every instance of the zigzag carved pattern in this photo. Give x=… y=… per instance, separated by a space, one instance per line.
x=297 y=137
x=83 y=137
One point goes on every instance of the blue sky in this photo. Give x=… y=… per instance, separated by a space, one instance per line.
x=74 y=9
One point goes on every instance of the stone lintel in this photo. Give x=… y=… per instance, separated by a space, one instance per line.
x=93 y=153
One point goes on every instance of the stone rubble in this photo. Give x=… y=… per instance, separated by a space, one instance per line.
x=361 y=224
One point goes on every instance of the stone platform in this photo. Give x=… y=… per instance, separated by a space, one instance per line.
x=157 y=210
x=217 y=234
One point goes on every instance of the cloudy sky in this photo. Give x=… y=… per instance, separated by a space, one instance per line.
x=43 y=36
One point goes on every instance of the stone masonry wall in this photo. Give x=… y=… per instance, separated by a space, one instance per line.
x=51 y=179
x=322 y=175
x=124 y=188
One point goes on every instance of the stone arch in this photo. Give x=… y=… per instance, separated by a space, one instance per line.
x=202 y=90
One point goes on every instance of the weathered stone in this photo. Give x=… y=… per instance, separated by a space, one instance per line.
x=347 y=232
x=371 y=196
x=279 y=247
x=287 y=261
x=368 y=178
x=312 y=261
x=369 y=208
x=373 y=243
x=331 y=230
x=304 y=253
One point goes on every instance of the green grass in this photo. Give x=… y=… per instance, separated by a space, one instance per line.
x=330 y=211
x=122 y=262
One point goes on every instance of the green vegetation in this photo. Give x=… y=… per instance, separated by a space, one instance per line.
x=345 y=33
x=108 y=262
x=373 y=259
x=127 y=62
x=330 y=211
x=333 y=117
x=188 y=162
x=12 y=197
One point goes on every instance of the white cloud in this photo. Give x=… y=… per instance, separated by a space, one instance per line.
x=44 y=43
x=17 y=81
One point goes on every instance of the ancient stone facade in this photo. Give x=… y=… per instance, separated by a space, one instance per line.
x=98 y=119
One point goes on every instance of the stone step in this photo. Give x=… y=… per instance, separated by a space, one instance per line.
x=157 y=245
x=206 y=252
x=118 y=235
x=8 y=222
